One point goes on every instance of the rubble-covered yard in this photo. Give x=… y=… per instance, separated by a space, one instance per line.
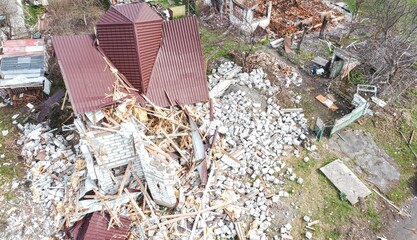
x=216 y=169
x=244 y=165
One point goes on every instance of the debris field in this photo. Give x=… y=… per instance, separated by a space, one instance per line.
x=213 y=170
x=288 y=16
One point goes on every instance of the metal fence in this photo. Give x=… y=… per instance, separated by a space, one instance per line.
x=350 y=118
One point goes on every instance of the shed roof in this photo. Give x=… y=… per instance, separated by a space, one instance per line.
x=129 y=13
x=27 y=66
x=179 y=70
x=24 y=47
x=86 y=74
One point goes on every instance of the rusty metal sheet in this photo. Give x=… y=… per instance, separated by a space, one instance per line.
x=179 y=70
x=24 y=47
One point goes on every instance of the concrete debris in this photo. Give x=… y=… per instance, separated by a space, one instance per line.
x=346 y=181
x=280 y=73
x=110 y=160
x=222 y=79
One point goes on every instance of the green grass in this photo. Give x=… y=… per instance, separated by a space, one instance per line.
x=322 y=201
x=350 y=3
x=166 y=4
x=414 y=66
x=34 y=12
x=357 y=76
x=373 y=216
x=7 y=164
x=299 y=57
x=215 y=45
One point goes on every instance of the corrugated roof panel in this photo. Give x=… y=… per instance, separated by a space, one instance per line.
x=94 y=227
x=112 y=16
x=137 y=12
x=149 y=36
x=119 y=44
x=97 y=228
x=87 y=77
x=179 y=68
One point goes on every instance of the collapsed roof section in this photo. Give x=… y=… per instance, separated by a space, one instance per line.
x=87 y=76
x=179 y=73
x=94 y=226
x=163 y=60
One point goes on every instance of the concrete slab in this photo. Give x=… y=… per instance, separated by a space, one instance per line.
x=360 y=148
x=345 y=180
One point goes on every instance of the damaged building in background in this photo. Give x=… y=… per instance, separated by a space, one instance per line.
x=242 y=14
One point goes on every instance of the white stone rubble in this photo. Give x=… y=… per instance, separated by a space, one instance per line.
x=257 y=140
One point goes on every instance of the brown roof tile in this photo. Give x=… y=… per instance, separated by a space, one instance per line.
x=179 y=68
x=130 y=36
x=86 y=74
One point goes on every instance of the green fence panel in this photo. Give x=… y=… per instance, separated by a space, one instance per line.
x=349 y=118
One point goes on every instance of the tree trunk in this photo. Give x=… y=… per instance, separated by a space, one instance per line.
x=323 y=26
x=302 y=38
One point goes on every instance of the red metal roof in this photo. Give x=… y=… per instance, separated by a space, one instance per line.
x=149 y=37
x=112 y=16
x=87 y=77
x=135 y=12
x=94 y=227
x=179 y=68
x=130 y=36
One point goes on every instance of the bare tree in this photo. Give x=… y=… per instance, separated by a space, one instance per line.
x=74 y=16
x=354 y=20
x=390 y=16
x=392 y=50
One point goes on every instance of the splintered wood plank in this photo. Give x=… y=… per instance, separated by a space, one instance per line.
x=327 y=102
x=345 y=180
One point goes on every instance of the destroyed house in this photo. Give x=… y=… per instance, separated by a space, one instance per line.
x=162 y=60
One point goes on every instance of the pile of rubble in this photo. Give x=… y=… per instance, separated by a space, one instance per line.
x=54 y=164
x=255 y=142
x=288 y=16
x=215 y=169
x=282 y=74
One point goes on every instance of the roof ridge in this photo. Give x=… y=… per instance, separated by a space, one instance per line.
x=120 y=13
